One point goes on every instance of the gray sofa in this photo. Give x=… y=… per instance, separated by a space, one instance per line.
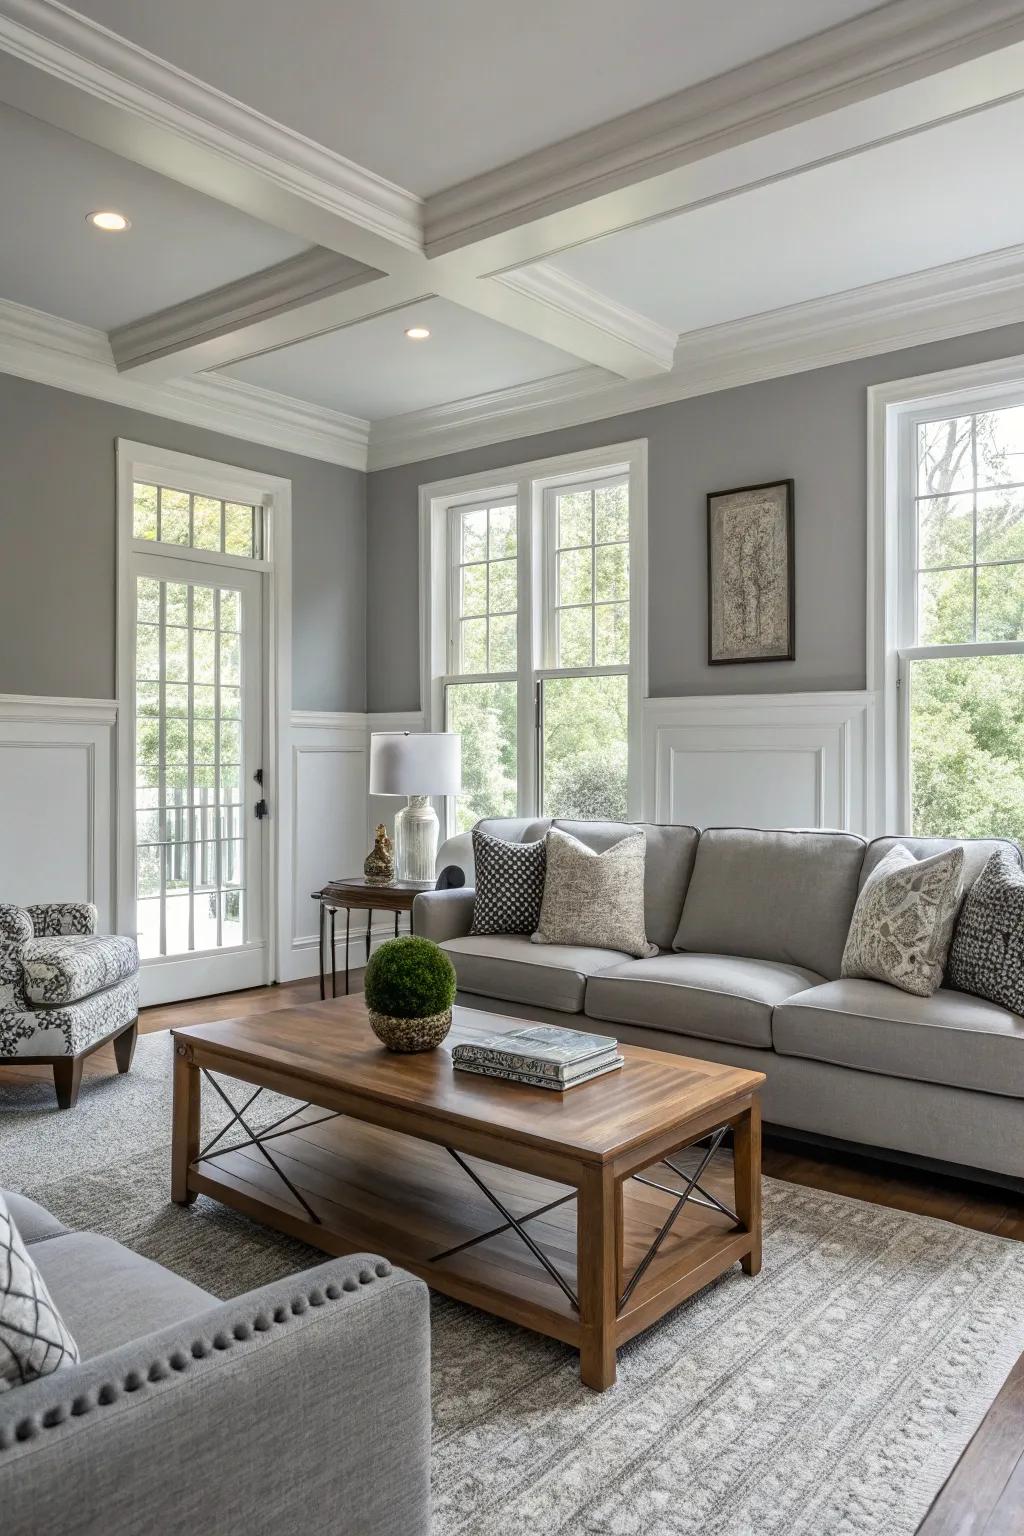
x=751 y=927
x=297 y=1409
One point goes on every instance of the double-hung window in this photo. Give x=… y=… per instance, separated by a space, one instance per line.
x=534 y=587
x=961 y=618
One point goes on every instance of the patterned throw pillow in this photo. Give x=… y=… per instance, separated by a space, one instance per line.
x=903 y=920
x=509 y=885
x=33 y=1338
x=987 y=957
x=595 y=898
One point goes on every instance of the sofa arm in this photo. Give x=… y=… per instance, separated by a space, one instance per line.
x=297 y=1409
x=441 y=915
x=56 y=919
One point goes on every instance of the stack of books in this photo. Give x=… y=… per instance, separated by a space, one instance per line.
x=541 y=1055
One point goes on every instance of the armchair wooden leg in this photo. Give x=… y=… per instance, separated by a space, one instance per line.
x=67 y=1079
x=124 y=1046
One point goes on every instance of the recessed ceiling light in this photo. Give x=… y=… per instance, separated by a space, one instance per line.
x=110 y=222
x=417 y=333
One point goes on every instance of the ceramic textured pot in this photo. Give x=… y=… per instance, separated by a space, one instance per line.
x=410 y=1034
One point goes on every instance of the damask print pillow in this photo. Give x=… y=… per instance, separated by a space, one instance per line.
x=902 y=924
x=987 y=957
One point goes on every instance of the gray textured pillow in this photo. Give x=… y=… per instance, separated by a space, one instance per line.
x=33 y=1338
x=987 y=957
x=595 y=898
x=903 y=921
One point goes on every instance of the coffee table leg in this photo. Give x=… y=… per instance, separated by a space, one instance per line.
x=747 y=1176
x=597 y=1262
x=185 y=1125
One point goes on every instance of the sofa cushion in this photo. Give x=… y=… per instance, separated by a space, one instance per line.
x=512 y=969
x=950 y=1037
x=716 y=997
x=671 y=851
x=65 y=970
x=33 y=1221
x=109 y=1295
x=784 y=896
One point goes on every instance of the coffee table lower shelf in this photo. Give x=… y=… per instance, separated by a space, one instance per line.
x=344 y=1186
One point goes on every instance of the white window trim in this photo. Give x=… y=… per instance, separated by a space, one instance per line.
x=182 y=471
x=893 y=411
x=528 y=484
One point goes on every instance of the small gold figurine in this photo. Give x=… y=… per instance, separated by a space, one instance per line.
x=379 y=867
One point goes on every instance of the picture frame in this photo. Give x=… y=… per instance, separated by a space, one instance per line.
x=751 y=574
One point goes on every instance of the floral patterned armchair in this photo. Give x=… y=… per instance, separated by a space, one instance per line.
x=64 y=990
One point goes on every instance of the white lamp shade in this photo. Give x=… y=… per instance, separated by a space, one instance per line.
x=415 y=763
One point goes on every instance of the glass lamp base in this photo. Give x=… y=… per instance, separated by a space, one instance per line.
x=416 y=835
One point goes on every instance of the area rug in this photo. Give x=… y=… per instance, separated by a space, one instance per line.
x=831 y=1396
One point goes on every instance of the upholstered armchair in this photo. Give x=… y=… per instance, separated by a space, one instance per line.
x=64 y=991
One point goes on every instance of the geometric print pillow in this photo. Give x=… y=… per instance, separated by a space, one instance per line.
x=903 y=921
x=987 y=957
x=509 y=884
x=33 y=1338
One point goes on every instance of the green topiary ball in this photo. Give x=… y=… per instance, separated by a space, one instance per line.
x=409 y=978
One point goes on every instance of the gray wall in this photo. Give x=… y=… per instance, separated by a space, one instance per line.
x=811 y=426
x=58 y=541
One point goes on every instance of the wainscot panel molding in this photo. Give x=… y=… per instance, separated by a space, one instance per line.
x=762 y=760
x=56 y=765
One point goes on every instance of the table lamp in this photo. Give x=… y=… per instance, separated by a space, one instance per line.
x=416 y=764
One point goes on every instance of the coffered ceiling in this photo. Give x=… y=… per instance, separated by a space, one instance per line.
x=591 y=207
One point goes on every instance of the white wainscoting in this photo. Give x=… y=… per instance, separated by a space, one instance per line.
x=761 y=760
x=56 y=760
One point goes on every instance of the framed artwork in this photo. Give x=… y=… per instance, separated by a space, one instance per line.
x=750 y=574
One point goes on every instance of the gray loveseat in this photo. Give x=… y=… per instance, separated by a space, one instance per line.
x=298 y=1409
x=751 y=927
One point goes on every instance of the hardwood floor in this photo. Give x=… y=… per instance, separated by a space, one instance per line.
x=984 y=1496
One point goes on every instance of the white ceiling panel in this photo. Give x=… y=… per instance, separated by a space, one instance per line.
x=429 y=94
x=373 y=370
x=952 y=192
x=180 y=242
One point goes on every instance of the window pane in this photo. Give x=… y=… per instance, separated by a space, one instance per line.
x=945 y=608
x=238 y=529
x=611 y=506
x=174 y=517
x=1001 y=602
x=945 y=530
x=474 y=645
x=584 y=747
x=204 y=643
x=144 y=512
x=205 y=523
x=176 y=602
x=574 y=520
x=611 y=575
x=503 y=586
x=944 y=457
x=147 y=601
x=147 y=652
x=612 y=634
x=474 y=590
x=202 y=607
x=967 y=746
x=474 y=535
x=230 y=609
x=575 y=637
x=484 y=714
x=575 y=576
x=502 y=656
x=1001 y=525
x=1000 y=446
x=502 y=533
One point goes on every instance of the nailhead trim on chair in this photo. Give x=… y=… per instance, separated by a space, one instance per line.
x=178 y=1360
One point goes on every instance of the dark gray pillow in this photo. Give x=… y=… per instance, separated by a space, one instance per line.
x=509 y=884
x=987 y=957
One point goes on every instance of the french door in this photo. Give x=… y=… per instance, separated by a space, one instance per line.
x=197 y=721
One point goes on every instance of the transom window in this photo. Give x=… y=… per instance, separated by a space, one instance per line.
x=961 y=657
x=533 y=661
x=167 y=516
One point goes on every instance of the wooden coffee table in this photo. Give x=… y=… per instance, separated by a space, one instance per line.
x=548 y=1209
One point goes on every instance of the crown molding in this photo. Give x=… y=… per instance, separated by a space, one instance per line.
x=84 y=54
x=48 y=350
x=977 y=294
x=287 y=285
x=549 y=285
x=902 y=41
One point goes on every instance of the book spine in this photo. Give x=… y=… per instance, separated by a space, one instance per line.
x=534 y=1080
x=464 y=1054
